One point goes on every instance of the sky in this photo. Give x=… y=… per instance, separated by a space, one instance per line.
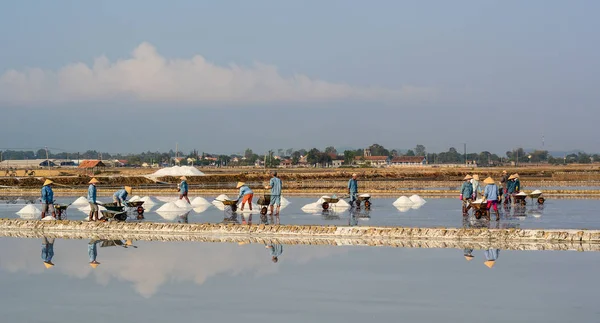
x=222 y=76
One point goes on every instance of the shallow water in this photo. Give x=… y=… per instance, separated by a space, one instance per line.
x=177 y=282
x=555 y=213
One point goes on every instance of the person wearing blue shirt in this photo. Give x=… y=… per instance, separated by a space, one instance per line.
x=121 y=195
x=275 y=185
x=47 y=251
x=48 y=199
x=183 y=189
x=466 y=194
x=491 y=255
x=92 y=194
x=276 y=251
x=353 y=189
x=491 y=195
x=246 y=193
x=93 y=252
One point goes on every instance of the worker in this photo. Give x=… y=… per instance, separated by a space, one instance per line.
x=48 y=199
x=93 y=252
x=466 y=194
x=510 y=188
x=276 y=251
x=353 y=189
x=476 y=187
x=121 y=195
x=183 y=189
x=92 y=194
x=468 y=253
x=491 y=255
x=246 y=193
x=47 y=252
x=491 y=195
x=504 y=182
x=517 y=183
x=275 y=185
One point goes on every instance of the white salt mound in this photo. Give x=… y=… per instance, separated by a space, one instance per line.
x=171 y=215
x=183 y=204
x=149 y=200
x=417 y=199
x=29 y=212
x=87 y=208
x=402 y=208
x=81 y=201
x=312 y=207
x=284 y=202
x=342 y=203
x=201 y=208
x=134 y=198
x=220 y=198
x=403 y=201
x=169 y=207
x=199 y=201
x=536 y=192
x=364 y=195
x=177 y=171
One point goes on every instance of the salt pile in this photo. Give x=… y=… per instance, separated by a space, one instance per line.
x=169 y=207
x=171 y=215
x=30 y=212
x=536 y=192
x=218 y=199
x=199 y=201
x=134 y=198
x=402 y=208
x=403 y=201
x=81 y=201
x=183 y=204
x=149 y=200
x=284 y=202
x=317 y=206
x=87 y=208
x=416 y=199
x=177 y=171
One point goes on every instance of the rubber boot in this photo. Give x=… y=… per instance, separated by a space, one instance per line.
x=497 y=215
x=43 y=215
x=54 y=215
x=91 y=217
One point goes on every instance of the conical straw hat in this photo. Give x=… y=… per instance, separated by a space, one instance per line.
x=128 y=189
x=48 y=182
x=469 y=258
x=516 y=175
x=48 y=265
x=183 y=178
x=94 y=181
x=94 y=265
x=511 y=177
x=490 y=263
x=489 y=180
x=240 y=184
x=468 y=177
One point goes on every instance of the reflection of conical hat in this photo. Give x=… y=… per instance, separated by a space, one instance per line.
x=490 y=263
x=468 y=177
x=128 y=189
x=476 y=177
x=94 y=265
x=469 y=258
x=240 y=184
x=128 y=242
x=511 y=177
x=489 y=180
x=94 y=181
x=48 y=182
x=48 y=265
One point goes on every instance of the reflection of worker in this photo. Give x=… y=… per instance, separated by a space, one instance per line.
x=92 y=194
x=276 y=251
x=466 y=194
x=121 y=195
x=93 y=252
x=468 y=253
x=353 y=189
x=504 y=182
x=275 y=186
x=183 y=189
x=47 y=251
x=491 y=195
x=48 y=199
x=491 y=255
x=246 y=193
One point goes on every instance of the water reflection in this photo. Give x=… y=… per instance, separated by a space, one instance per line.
x=47 y=252
x=491 y=255
x=276 y=250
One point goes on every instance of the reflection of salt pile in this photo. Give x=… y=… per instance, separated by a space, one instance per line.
x=182 y=204
x=416 y=199
x=403 y=208
x=403 y=201
x=177 y=171
x=201 y=208
x=134 y=198
x=199 y=201
x=171 y=210
x=536 y=192
x=81 y=201
x=284 y=202
x=169 y=207
x=29 y=212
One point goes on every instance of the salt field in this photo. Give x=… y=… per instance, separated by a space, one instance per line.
x=554 y=214
x=229 y=282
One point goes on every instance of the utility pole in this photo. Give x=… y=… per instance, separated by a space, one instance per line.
x=465 y=154
x=47 y=160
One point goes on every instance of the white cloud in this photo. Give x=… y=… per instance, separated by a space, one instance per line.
x=149 y=77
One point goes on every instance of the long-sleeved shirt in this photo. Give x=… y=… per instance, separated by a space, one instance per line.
x=504 y=181
x=245 y=190
x=510 y=186
x=353 y=185
x=47 y=195
x=517 y=184
x=476 y=187
x=466 y=190
x=121 y=195
x=183 y=187
x=275 y=184
x=492 y=254
x=276 y=250
x=92 y=193
x=491 y=192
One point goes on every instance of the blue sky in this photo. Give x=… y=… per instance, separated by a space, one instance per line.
x=225 y=75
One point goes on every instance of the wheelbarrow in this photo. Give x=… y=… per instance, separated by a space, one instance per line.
x=480 y=209
x=520 y=199
x=137 y=206
x=537 y=195
x=363 y=198
x=119 y=216
x=232 y=204
x=61 y=211
x=327 y=201
x=113 y=207
x=264 y=202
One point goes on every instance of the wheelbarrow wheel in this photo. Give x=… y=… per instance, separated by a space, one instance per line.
x=541 y=200
x=233 y=207
x=325 y=206
x=478 y=214
x=263 y=210
x=367 y=205
x=523 y=202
